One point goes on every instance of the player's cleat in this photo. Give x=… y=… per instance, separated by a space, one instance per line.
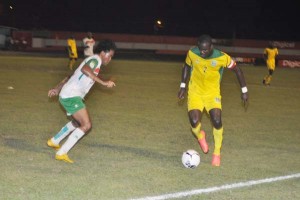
x=64 y=157
x=216 y=160
x=203 y=144
x=51 y=144
x=265 y=83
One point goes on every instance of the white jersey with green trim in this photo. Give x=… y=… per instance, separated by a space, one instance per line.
x=79 y=84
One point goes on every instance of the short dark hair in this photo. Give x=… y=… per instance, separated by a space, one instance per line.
x=105 y=45
x=204 y=38
x=271 y=45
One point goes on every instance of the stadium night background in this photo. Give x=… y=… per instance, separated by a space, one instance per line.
x=248 y=19
x=140 y=129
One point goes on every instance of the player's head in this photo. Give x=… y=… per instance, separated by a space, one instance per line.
x=205 y=45
x=72 y=36
x=89 y=34
x=106 y=50
x=271 y=45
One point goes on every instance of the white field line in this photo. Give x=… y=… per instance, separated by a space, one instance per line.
x=219 y=188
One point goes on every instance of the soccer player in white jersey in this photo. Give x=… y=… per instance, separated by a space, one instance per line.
x=72 y=91
x=88 y=45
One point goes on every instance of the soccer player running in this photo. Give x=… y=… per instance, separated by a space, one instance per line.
x=270 y=54
x=202 y=72
x=72 y=50
x=72 y=91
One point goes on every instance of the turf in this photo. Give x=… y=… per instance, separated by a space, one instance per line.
x=139 y=132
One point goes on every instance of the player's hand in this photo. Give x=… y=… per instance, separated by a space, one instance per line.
x=245 y=99
x=52 y=92
x=110 y=84
x=181 y=93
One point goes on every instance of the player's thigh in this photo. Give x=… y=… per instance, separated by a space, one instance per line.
x=195 y=101
x=82 y=116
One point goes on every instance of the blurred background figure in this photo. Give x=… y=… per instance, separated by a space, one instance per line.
x=72 y=50
x=88 y=45
x=270 y=55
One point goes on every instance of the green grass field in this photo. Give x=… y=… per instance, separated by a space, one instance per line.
x=139 y=133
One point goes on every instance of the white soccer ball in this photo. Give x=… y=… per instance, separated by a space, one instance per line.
x=190 y=159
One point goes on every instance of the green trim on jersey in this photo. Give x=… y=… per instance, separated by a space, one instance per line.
x=216 y=53
x=92 y=63
x=221 y=70
x=195 y=50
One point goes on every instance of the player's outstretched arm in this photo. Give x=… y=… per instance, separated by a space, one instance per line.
x=88 y=72
x=55 y=91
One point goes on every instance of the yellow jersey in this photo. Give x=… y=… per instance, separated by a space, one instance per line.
x=271 y=54
x=72 y=45
x=206 y=73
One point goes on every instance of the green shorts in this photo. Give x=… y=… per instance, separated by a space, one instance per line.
x=72 y=105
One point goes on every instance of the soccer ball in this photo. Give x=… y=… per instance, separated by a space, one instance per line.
x=190 y=159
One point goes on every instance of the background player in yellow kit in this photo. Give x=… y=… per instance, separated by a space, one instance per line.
x=72 y=50
x=203 y=67
x=270 y=54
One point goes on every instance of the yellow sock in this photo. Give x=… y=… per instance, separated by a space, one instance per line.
x=71 y=64
x=218 y=137
x=269 y=79
x=197 y=132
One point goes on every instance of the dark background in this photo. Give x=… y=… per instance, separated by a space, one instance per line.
x=242 y=19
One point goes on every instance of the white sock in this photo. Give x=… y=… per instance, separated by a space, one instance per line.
x=71 y=141
x=64 y=132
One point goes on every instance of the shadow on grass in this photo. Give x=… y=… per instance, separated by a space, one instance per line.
x=135 y=151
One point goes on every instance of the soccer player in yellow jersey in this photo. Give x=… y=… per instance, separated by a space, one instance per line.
x=202 y=72
x=270 y=55
x=72 y=50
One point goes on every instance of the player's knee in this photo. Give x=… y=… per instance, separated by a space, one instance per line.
x=86 y=126
x=194 y=122
x=75 y=123
x=194 y=117
x=217 y=123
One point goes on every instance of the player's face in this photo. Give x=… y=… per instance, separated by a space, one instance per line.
x=107 y=56
x=205 y=49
